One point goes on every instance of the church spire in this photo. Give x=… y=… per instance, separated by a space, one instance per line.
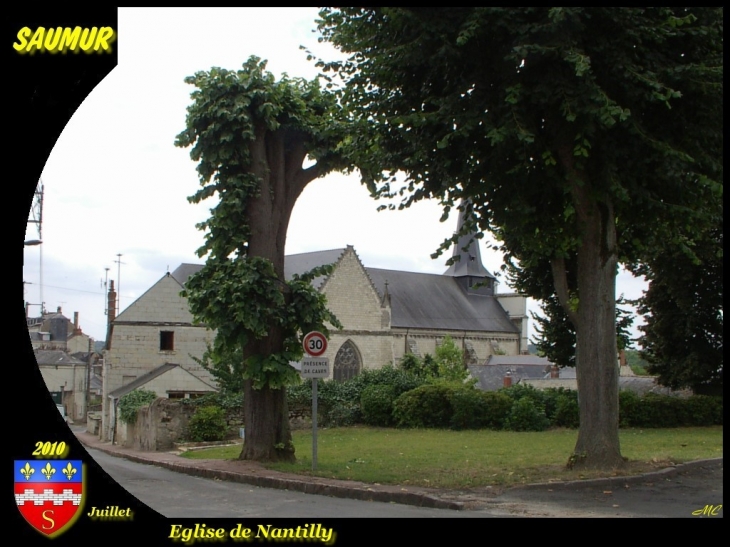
x=467 y=267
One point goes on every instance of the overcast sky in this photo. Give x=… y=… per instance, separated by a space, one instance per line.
x=115 y=183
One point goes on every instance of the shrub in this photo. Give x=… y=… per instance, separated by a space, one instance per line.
x=628 y=408
x=567 y=413
x=426 y=406
x=525 y=415
x=475 y=409
x=703 y=410
x=343 y=415
x=376 y=405
x=208 y=424
x=130 y=403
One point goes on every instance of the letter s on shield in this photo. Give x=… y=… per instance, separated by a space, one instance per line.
x=49 y=493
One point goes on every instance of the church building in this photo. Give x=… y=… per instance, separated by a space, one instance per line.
x=385 y=314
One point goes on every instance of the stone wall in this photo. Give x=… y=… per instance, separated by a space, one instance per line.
x=164 y=423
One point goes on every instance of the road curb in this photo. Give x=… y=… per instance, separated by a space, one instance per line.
x=355 y=491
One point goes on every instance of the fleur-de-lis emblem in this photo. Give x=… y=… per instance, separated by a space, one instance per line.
x=27 y=471
x=48 y=471
x=69 y=471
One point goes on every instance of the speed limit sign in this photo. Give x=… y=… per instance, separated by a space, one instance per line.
x=315 y=344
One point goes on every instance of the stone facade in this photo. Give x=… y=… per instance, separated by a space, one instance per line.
x=154 y=330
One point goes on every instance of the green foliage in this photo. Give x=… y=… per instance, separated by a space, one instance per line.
x=426 y=406
x=686 y=281
x=476 y=409
x=567 y=413
x=636 y=363
x=225 y=366
x=653 y=410
x=450 y=361
x=577 y=136
x=207 y=424
x=376 y=405
x=132 y=401
x=236 y=120
x=526 y=415
x=228 y=401
x=339 y=403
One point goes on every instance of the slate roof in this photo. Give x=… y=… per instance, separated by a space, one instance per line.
x=469 y=261
x=418 y=300
x=55 y=357
x=491 y=377
x=432 y=301
x=302 y=263
x=142 y=380
x=293 y=264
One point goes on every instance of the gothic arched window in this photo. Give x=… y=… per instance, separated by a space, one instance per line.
x=347 y=362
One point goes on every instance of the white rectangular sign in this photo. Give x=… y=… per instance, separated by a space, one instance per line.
x=315 y=367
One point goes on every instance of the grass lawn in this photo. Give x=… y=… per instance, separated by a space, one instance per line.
x=462 y=459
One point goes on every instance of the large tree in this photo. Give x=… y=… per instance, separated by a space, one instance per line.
x=251 y=136
x=683 y=309
x=585 y=133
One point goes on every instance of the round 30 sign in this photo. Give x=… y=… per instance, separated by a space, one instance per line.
x=315 y=344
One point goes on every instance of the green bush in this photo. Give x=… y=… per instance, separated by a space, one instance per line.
x=628 y=408
x=475 y=409
x=525 y=415
x=653 y=410
x=343 y=415
x=426 y=406
x=208 y=424
x=567 y=413
x=130 y=403
x=376 y=405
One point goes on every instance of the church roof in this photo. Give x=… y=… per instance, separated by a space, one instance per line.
x=432 y=301
x=466 y=253
x=417 y=300
x=302 y=263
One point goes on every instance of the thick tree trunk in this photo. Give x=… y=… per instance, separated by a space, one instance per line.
x=266 y=421
x=595 y=353
x=276 y=159
x=596 y=359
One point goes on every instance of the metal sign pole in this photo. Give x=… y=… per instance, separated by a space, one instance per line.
x=314 y=424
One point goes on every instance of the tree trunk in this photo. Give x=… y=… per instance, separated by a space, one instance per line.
x=595 y=352
x=276 y=159
x=266 y=421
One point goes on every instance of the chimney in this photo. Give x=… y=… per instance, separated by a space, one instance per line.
x=622 y=358
x=111 y=307
x=554 y=372
x=507 y=380
x=111 y=313
x=58 y=310
x=77 y=329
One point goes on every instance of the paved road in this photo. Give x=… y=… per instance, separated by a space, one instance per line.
x=661 y=495
x=176 y=495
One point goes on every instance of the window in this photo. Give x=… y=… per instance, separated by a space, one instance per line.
x=347 y=362
x=167 y=340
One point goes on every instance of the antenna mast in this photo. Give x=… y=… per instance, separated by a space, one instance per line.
x=119 y=284
x=36 y=212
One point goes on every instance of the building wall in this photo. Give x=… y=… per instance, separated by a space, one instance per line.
x=353 y=299
x=516 y=306
x=73 y=380
x=426 y=341
x=135 y=341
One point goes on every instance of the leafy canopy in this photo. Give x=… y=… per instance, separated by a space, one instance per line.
x=240 y=295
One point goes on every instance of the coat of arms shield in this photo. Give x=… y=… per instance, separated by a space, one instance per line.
x=49 y=493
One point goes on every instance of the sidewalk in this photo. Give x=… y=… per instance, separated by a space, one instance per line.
x=253 y=473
